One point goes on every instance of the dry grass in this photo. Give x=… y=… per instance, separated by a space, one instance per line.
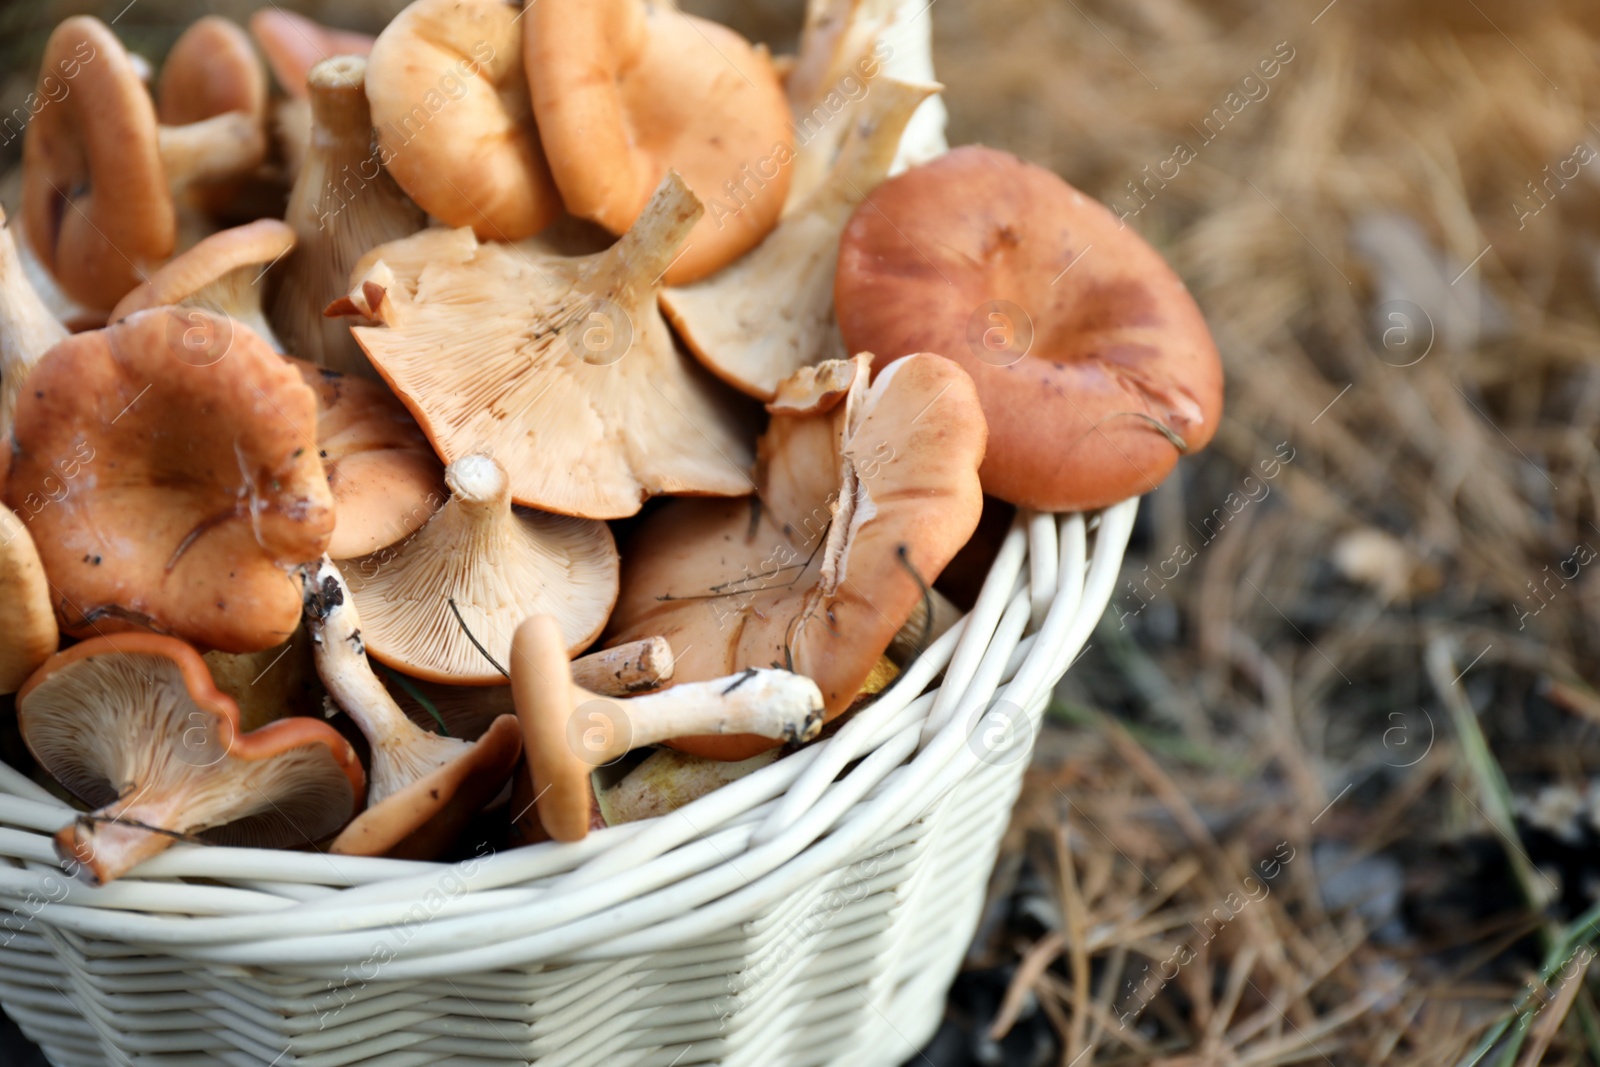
x=1283 y=672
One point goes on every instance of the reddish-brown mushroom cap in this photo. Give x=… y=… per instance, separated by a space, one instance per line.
x=863 y=496
x=455 y=127
x=293 y=44
x=95 y=201
x=769 y=313
x=133 y=725
x=1094 y=365
x=168 y=468
x=625 y=90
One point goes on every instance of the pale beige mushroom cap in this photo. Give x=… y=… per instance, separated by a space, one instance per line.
x=770 y=313
x=564 y=369
x=28 y=633
x=498 y=565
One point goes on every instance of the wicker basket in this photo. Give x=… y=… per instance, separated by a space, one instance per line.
x=813 y=912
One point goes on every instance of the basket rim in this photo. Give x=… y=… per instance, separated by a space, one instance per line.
x=713 y=866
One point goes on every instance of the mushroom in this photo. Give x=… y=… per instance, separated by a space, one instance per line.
x=221 y=273
x=467 y=711
x=763 y=317
x=568 y=731
x=203 y=481
x=27 y=331
x=28 y=633
x=864 y=493
x=386 y=481
x=99 y=172
x=134 y=727
x=1094 y=365
x=271 y=684
x=211 y=74
x=625 y=90
x=564 y=369
x=95 y=203
x=839 y=55
x=342 y=204
x=455 y=126
x=424 y=787
x=443 y=603
x=293 y=44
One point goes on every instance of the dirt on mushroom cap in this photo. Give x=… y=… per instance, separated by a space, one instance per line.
x=170 y=468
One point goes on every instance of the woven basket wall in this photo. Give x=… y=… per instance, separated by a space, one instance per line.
x=814 y=912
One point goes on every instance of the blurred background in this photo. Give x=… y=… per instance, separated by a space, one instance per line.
x=1322 y=787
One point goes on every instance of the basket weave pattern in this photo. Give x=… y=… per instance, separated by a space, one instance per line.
x=812 y=912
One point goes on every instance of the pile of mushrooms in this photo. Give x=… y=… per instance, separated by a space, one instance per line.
x=530 y=420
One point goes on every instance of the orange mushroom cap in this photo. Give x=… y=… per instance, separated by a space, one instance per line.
x=95 y=201
x=293 y=44
x=1094 y=365
x=861 y=491
x=168 y=469
x=224 y=273
x=133 y=725
x=625 y=90
x=211 y=70
x=386 y=481
x=455 y=127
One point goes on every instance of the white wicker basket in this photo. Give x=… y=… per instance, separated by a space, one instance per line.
x=813 y=912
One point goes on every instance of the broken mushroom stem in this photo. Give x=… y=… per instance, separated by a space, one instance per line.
x=402 y=752
x=568 y=730
x=628 y=668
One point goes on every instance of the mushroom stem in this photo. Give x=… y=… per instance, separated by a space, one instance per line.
x=27 y=329
x=763 y=701
x=343 y=203
x=627 y=668
x=219 y=147
x=631 y=269
x=238 y=294
x=568 y=730
x=401 y=751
